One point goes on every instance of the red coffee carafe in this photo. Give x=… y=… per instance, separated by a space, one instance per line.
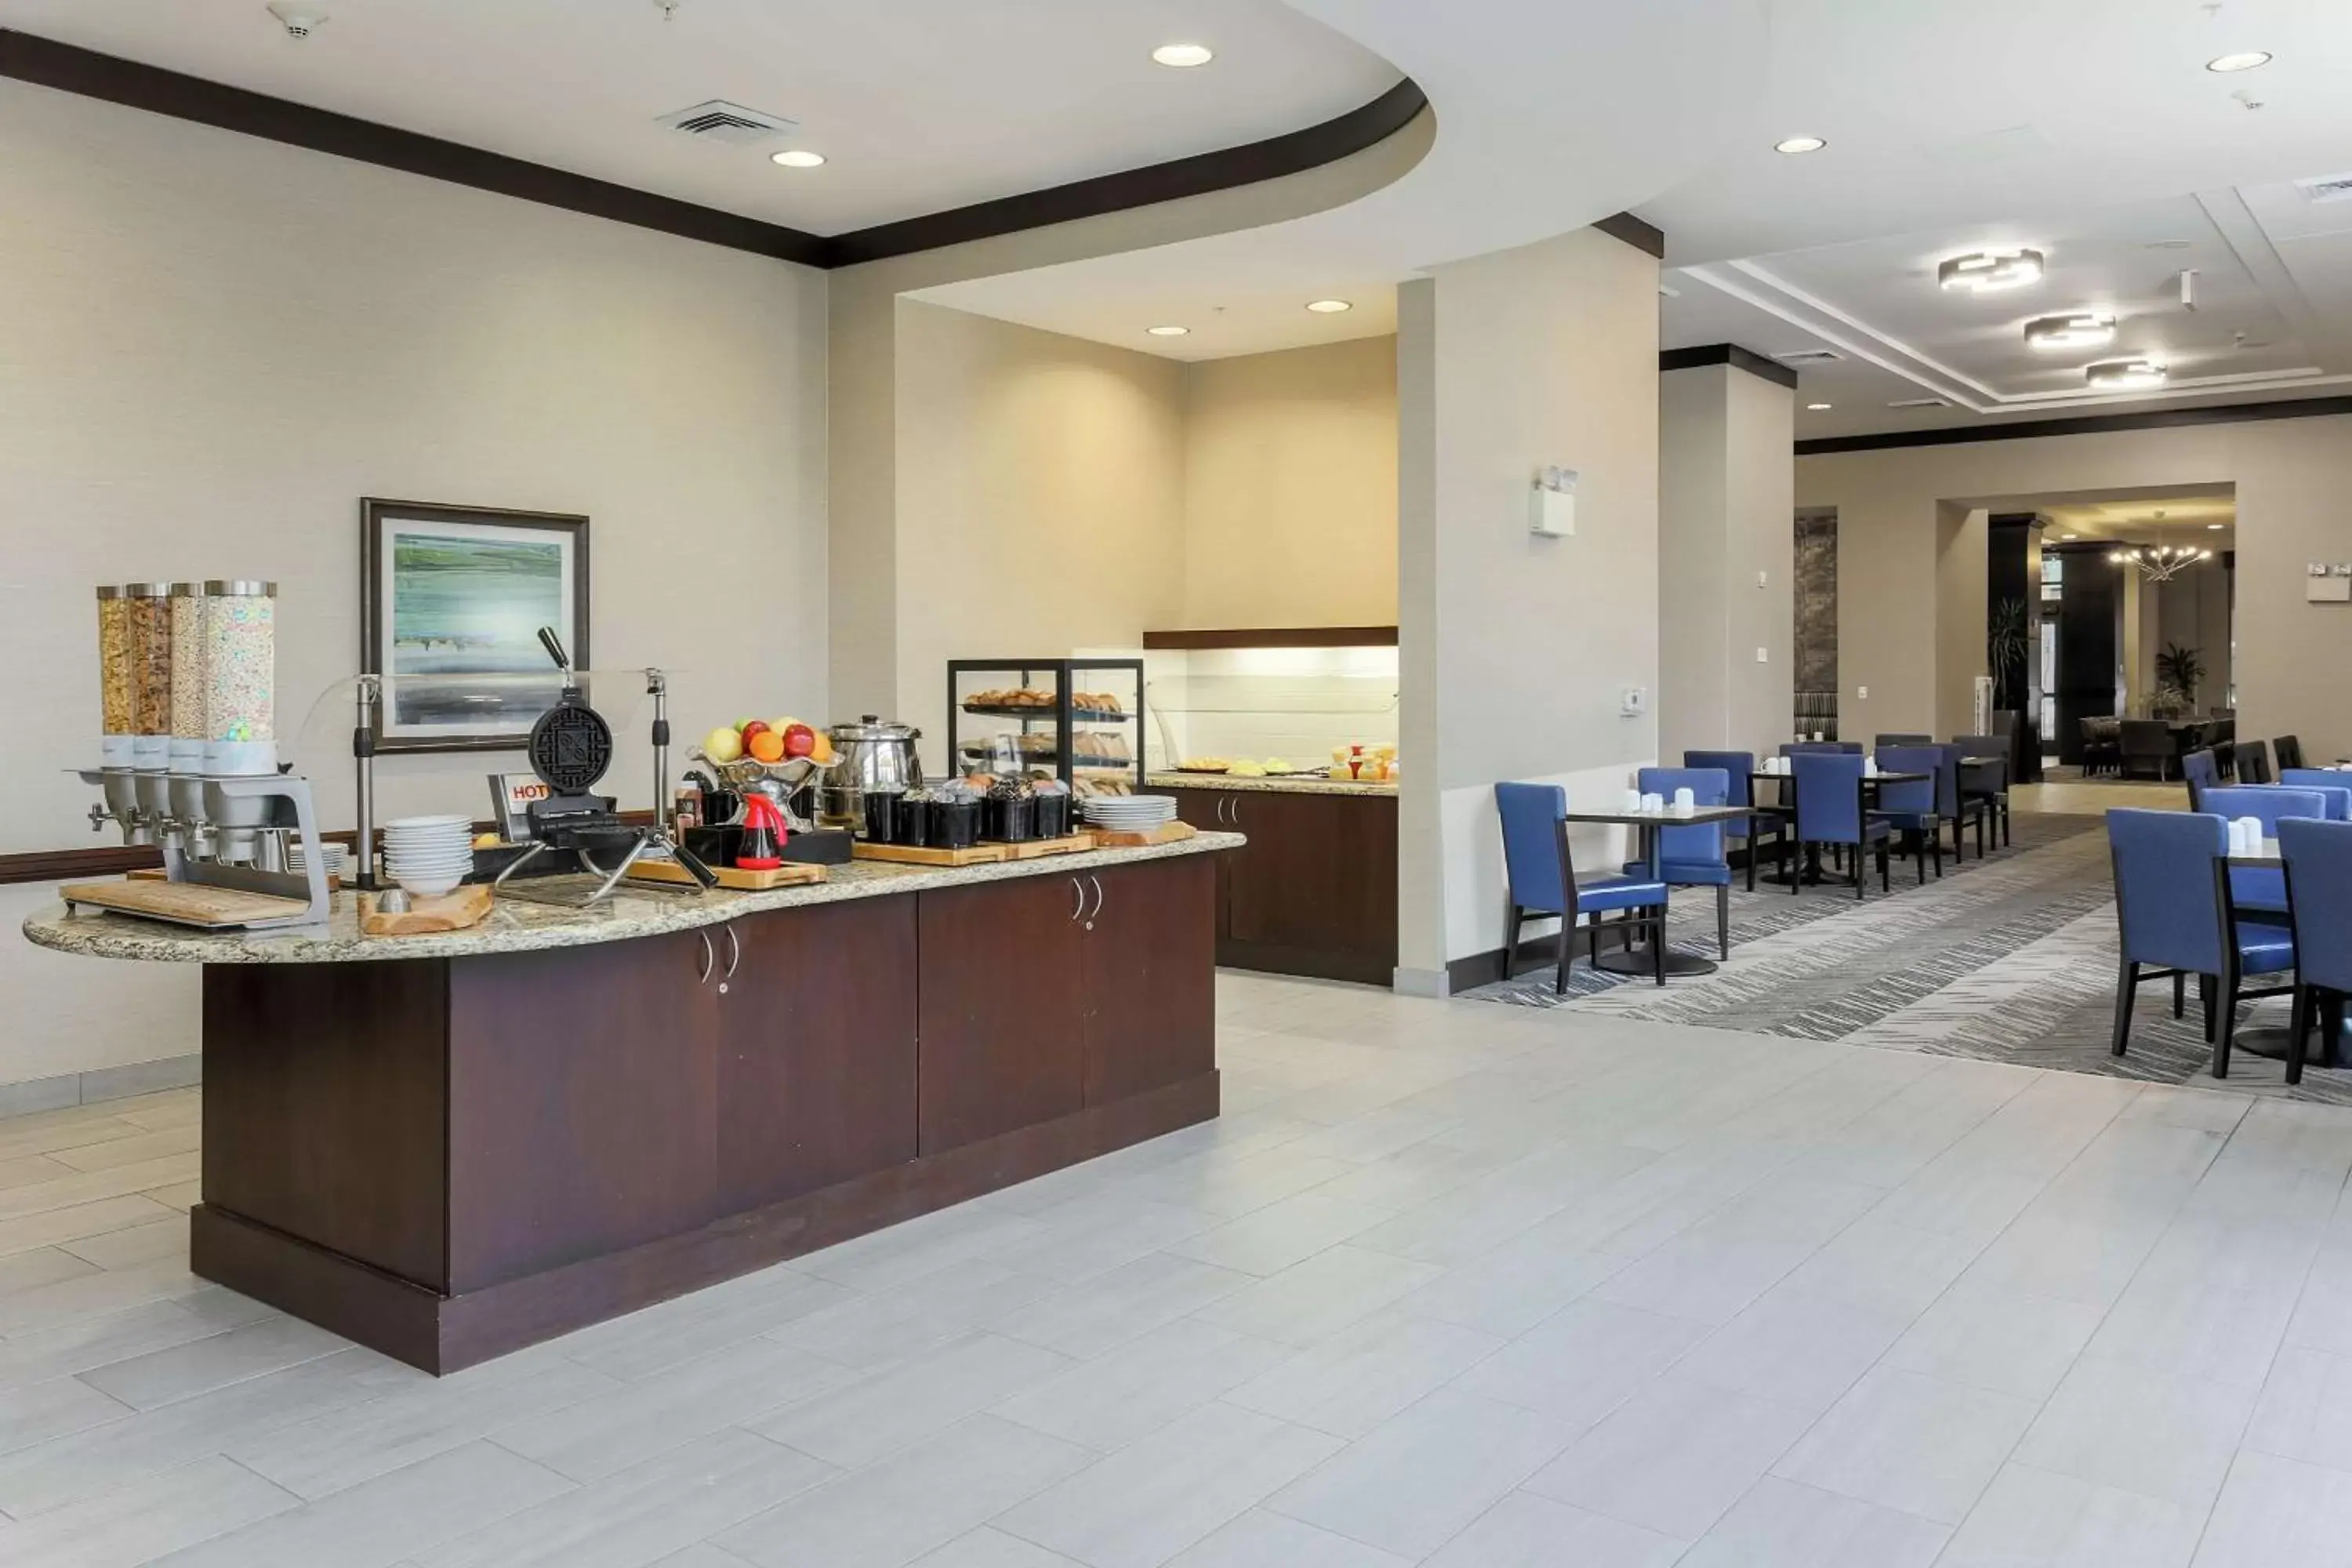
x=764 y=833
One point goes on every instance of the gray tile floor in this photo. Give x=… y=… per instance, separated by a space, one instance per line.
x=1449 y=1283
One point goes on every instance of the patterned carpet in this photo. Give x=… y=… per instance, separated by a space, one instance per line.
x=2011 y=958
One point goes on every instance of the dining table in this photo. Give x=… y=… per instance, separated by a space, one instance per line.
x=1646 y=823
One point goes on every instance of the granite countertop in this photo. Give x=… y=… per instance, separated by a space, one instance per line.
x=1264 y=786
x=522 y=922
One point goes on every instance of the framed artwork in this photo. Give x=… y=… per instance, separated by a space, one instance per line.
x=452 y=599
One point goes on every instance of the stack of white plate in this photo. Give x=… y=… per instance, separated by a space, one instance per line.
x=333 y=859
x=1129 y=813
x=428 y=855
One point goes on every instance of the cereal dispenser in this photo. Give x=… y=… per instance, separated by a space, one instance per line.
x=115 y=703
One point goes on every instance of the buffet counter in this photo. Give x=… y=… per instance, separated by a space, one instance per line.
x=449 y=1147
x=1314 y=891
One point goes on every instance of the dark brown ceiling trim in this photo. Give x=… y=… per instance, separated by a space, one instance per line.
x=2086 y=424
x=1274 y=636
x=1198 y=176
x=1732 y=354
x=1647 y=237
x=159 y=91
x=47 y=63
x=74 y=864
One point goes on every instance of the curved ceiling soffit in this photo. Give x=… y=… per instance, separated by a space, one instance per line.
x=1549 y=116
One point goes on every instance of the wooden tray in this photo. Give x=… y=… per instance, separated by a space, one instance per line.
x=791 y=874
x=989 y=854
x=456 y=910
x=1166 y=833
x=185 y=903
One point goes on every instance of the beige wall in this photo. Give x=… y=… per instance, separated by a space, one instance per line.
x=2292 y=477
x=1727 y=557
x=1055 y=494
x=214 y=346
x=1545 y=354
x=865 y=515
x=1290 y=488
x=1961 y=594
x=2194 y=612
x=1040 y=493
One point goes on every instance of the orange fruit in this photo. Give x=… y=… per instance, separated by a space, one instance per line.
x=768 y=746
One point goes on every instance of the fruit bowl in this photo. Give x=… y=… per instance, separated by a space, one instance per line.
x=745 y=772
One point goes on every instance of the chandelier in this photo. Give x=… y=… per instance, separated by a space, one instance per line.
x=2160 y=562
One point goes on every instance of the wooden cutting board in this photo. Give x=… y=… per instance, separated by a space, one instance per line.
x=791 y=874
x=456 y=910
x=185 y=903
x=1166 y=833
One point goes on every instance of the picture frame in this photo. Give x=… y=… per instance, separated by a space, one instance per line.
x=451 y=601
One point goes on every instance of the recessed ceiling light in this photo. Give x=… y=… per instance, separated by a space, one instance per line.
x=1329 y=307
x=2125 y=374
x=1799 y=144
x=1984 y=272
x=2075 y=330
x=2247 y=61
x=1183 y=56
x=1819 y=407
x=2215 y=527
x=2070 y=536
x=1167 y=331
x=797 y=158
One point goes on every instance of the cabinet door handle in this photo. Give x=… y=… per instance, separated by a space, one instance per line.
x=710 y=957
x=1098 y=900
x=734 y=952
x=1080 y=888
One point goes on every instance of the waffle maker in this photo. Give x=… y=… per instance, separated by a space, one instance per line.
x=571 y=748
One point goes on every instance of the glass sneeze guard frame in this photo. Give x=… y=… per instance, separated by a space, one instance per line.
x=1062 y=714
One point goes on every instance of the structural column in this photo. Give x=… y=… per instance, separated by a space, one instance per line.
x=1727 y=548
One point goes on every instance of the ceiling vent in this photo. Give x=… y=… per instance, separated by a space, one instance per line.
x=1811 y=356
x=731 y=123
x=1921 y=403
x=2326 y=188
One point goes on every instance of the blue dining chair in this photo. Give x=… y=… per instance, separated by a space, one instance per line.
x=2317 y=859
x=2337 y=787
x=1913 y=810
x=1542 y=874
x=1984 y=778
x=1829 y=811
x=2202 y=771
x=1741 y=767
x=2261 y=891
x=1692 y=856
x=2176 y=916
x=1827 y=748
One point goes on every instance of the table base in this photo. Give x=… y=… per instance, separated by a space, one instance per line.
x=1636 y=963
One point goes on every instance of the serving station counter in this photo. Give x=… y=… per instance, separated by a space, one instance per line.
x=449 y=1147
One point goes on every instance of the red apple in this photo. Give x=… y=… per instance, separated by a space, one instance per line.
x=756 y=727
x=799 y=741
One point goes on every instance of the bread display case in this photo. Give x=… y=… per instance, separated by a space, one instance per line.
x=1080 y=721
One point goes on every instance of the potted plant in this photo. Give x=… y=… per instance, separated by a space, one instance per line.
x=2178 y=672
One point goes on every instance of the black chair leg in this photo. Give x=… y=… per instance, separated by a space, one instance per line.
x=1882 y=884
x=2298 y=1027
x=2205 y=1001
x=1722 y=920
x=2127 y=981
x=1567 y=950
x=2179 y=991
x=2226 y=1030
x=1937 y=843
x=1511 y=942
x=1658 y=944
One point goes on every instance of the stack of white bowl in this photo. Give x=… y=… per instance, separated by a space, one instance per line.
x=429 y=856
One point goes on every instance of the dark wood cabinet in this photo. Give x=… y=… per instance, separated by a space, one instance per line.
x=816 y=1048
x=449 y=1159
x=1148 y=1021
x=556 y=1059
x=1002 y=1011
x=1314 y=891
